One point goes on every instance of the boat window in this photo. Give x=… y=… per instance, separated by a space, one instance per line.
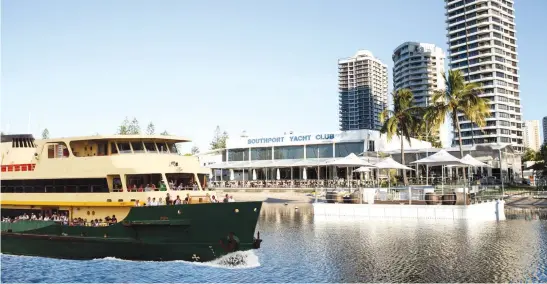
x=143 y=182
x=162 y=147
x=181 y=181
x=101 y=149
x=150 y=146
x=57 y=150
x=172 y=148
x=113 y=149
x=83 y=185
x=124 y=147
x=138 y=147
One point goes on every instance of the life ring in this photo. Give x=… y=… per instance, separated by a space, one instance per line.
x=230 y=243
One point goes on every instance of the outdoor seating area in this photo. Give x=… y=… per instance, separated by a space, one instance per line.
x=439 y=169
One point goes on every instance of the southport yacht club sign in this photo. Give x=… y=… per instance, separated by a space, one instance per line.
x=291 y=139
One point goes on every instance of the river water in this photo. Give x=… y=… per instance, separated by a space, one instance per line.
x=297 y=248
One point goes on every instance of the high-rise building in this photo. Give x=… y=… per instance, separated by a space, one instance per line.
x=545 y=129
x=482 y=45
x=363 y=87
x=531 y=135
x=420 y=68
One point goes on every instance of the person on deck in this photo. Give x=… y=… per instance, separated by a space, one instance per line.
x=231 y=199
x=226 y=199
x=163 y=187
x=178 y=201
x=188 y=199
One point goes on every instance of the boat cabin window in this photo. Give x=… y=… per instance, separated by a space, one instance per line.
x=113 y=148
x=150 y=147
x=172 y=148
x=138 y=147
x=143 y=182
x=57 y=150
x=124 y=147
x=181 y=181
x=78 y=185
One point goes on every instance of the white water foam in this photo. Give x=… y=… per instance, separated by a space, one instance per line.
x=235 y=260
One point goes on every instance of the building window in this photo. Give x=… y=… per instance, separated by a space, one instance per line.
x=289 y=152
x=344 y=149
x=319 y=151
x=261 y=153
x=238 y=155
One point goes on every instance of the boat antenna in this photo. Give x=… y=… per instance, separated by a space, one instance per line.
x=28 y=126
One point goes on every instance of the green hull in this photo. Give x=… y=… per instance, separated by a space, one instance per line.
x=161 y=233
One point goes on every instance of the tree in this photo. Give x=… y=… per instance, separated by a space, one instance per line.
x=459 y=99
x=134 y=127
x=531 y=155
x=124 y=128
x=219 y=139
x=150 y=129
x=165 y=133
x=401 y=120
x=45 y=134
x=423 y=131
x=194 y=150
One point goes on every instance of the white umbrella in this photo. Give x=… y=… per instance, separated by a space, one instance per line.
x=389 y=163
x=254 y=174
x=468 y=159
x=304 y=174
x=441 y=158
x=232 y=174
x=350 y=160
x=278 y=175
x=363 y=169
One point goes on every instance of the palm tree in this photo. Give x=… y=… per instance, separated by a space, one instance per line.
x=459 y=98
x=401 y=120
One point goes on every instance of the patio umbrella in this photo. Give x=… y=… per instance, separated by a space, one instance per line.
x=441 y=158
x=254 y=174
x=304 y=173
x=389 y=163
x=232 y=174
x=278 y=175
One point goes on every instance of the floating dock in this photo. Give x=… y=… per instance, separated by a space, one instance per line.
x=485 y=211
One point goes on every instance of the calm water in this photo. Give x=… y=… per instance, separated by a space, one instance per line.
x=297 y=248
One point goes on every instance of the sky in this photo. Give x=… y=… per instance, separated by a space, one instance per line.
x=266 y=67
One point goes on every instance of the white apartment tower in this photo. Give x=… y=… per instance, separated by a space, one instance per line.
x=531 y=135
x=420 y=68
x=363 y=90
x=482 y=45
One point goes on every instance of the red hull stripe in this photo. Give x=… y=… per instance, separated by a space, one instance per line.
x=18 y=168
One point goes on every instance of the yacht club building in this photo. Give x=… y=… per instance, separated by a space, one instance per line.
x=288 y=156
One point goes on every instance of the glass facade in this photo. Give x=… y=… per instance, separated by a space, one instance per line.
x=344 y=149
x=264 y=153
x=238 y=155
x=289 y=152
x=324 y=151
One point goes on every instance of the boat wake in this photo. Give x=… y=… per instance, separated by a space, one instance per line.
x=235 y=260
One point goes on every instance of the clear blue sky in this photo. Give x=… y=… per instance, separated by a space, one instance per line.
x=80 y=67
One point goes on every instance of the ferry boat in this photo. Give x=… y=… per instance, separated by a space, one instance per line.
x=89 y=180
